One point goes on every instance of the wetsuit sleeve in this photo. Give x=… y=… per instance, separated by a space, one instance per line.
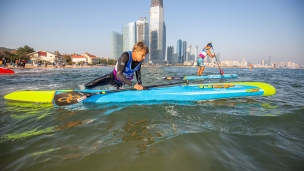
x=121 y=64
x=138 y=76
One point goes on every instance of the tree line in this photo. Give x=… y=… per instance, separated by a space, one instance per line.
x=22 y=54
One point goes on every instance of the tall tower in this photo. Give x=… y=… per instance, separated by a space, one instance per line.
x=129 y=36
x=184 y=51
x=142 y=30
x=116 y=45
x=170 y=53
x=157 y=32
x=142 y=33
x=179 y=51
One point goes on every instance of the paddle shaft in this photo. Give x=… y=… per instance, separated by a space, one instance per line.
x=221 y=71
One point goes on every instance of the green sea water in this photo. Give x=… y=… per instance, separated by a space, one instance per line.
x=252 y=133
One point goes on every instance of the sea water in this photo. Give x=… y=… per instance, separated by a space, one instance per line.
x=252 y=133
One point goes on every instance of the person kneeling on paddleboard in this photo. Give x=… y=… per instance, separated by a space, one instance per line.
x=128 y=63
x=200 y=60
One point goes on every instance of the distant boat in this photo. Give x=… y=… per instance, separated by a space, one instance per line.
x=6 y=71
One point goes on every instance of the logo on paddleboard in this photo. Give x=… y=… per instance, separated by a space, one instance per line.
x=252 y=90
x=70 y=98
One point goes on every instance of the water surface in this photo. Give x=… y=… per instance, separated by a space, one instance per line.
x=253 y=133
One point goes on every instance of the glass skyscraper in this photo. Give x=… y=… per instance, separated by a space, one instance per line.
x=142 y=29
x=157 y=32
x=179 y=51
x=132 y=33
x=129 y=36
x=116 y=45
x=170 y=55
x=142 y=32
x=184 y=51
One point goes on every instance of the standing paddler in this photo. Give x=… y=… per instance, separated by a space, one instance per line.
x=200 y=59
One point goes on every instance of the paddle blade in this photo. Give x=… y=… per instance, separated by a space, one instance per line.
x=68 y=98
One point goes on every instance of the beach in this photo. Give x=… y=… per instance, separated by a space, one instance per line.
x=30 y=66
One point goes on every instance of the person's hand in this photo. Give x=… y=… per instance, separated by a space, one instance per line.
x=138 y=87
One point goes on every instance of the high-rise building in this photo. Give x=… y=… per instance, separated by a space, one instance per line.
x=157 y=32
x=179 y=51
x=192 y=54
x=188 y=54
x=195 y=55
x=170 y=54
x=142 y=32
x=129 y=36
x=132 y=33
x=191 y=51
x=184 y=51
x=116 y=45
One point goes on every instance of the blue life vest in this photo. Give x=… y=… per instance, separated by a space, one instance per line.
x=128 y=72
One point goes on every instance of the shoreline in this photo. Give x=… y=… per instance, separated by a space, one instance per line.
x=96 y=66
x=49 y=67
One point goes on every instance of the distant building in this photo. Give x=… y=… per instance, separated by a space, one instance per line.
x=157 y=32
x=91 y=59
x=184 y=51
x=116 y=44
x=195 y=55
x=45 y=56
x=142 y=33
x=190 y=55
x=129 y=36
x=76 y=58
x=86 y=57
x=132 y=33
x=170 y=54
x=179 y=51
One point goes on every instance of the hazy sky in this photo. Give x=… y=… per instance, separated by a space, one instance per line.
x=254 y=29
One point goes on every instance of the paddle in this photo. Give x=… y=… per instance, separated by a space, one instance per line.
x=221 y=71
x=173 y=78
x=72 y=97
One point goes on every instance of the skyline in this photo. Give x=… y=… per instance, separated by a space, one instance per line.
x=238 y=29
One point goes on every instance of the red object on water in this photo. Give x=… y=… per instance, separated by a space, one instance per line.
x=6 y=71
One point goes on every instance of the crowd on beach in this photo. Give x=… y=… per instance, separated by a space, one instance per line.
x=22 y=64
x=17 y=63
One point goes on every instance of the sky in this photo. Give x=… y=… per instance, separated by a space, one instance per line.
x=251 y=29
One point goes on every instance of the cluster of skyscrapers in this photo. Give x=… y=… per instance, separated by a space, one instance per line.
x=153 y=35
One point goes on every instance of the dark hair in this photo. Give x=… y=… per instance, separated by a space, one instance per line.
x=209 y=44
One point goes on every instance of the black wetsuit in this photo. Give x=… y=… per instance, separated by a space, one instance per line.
x=110 y=78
